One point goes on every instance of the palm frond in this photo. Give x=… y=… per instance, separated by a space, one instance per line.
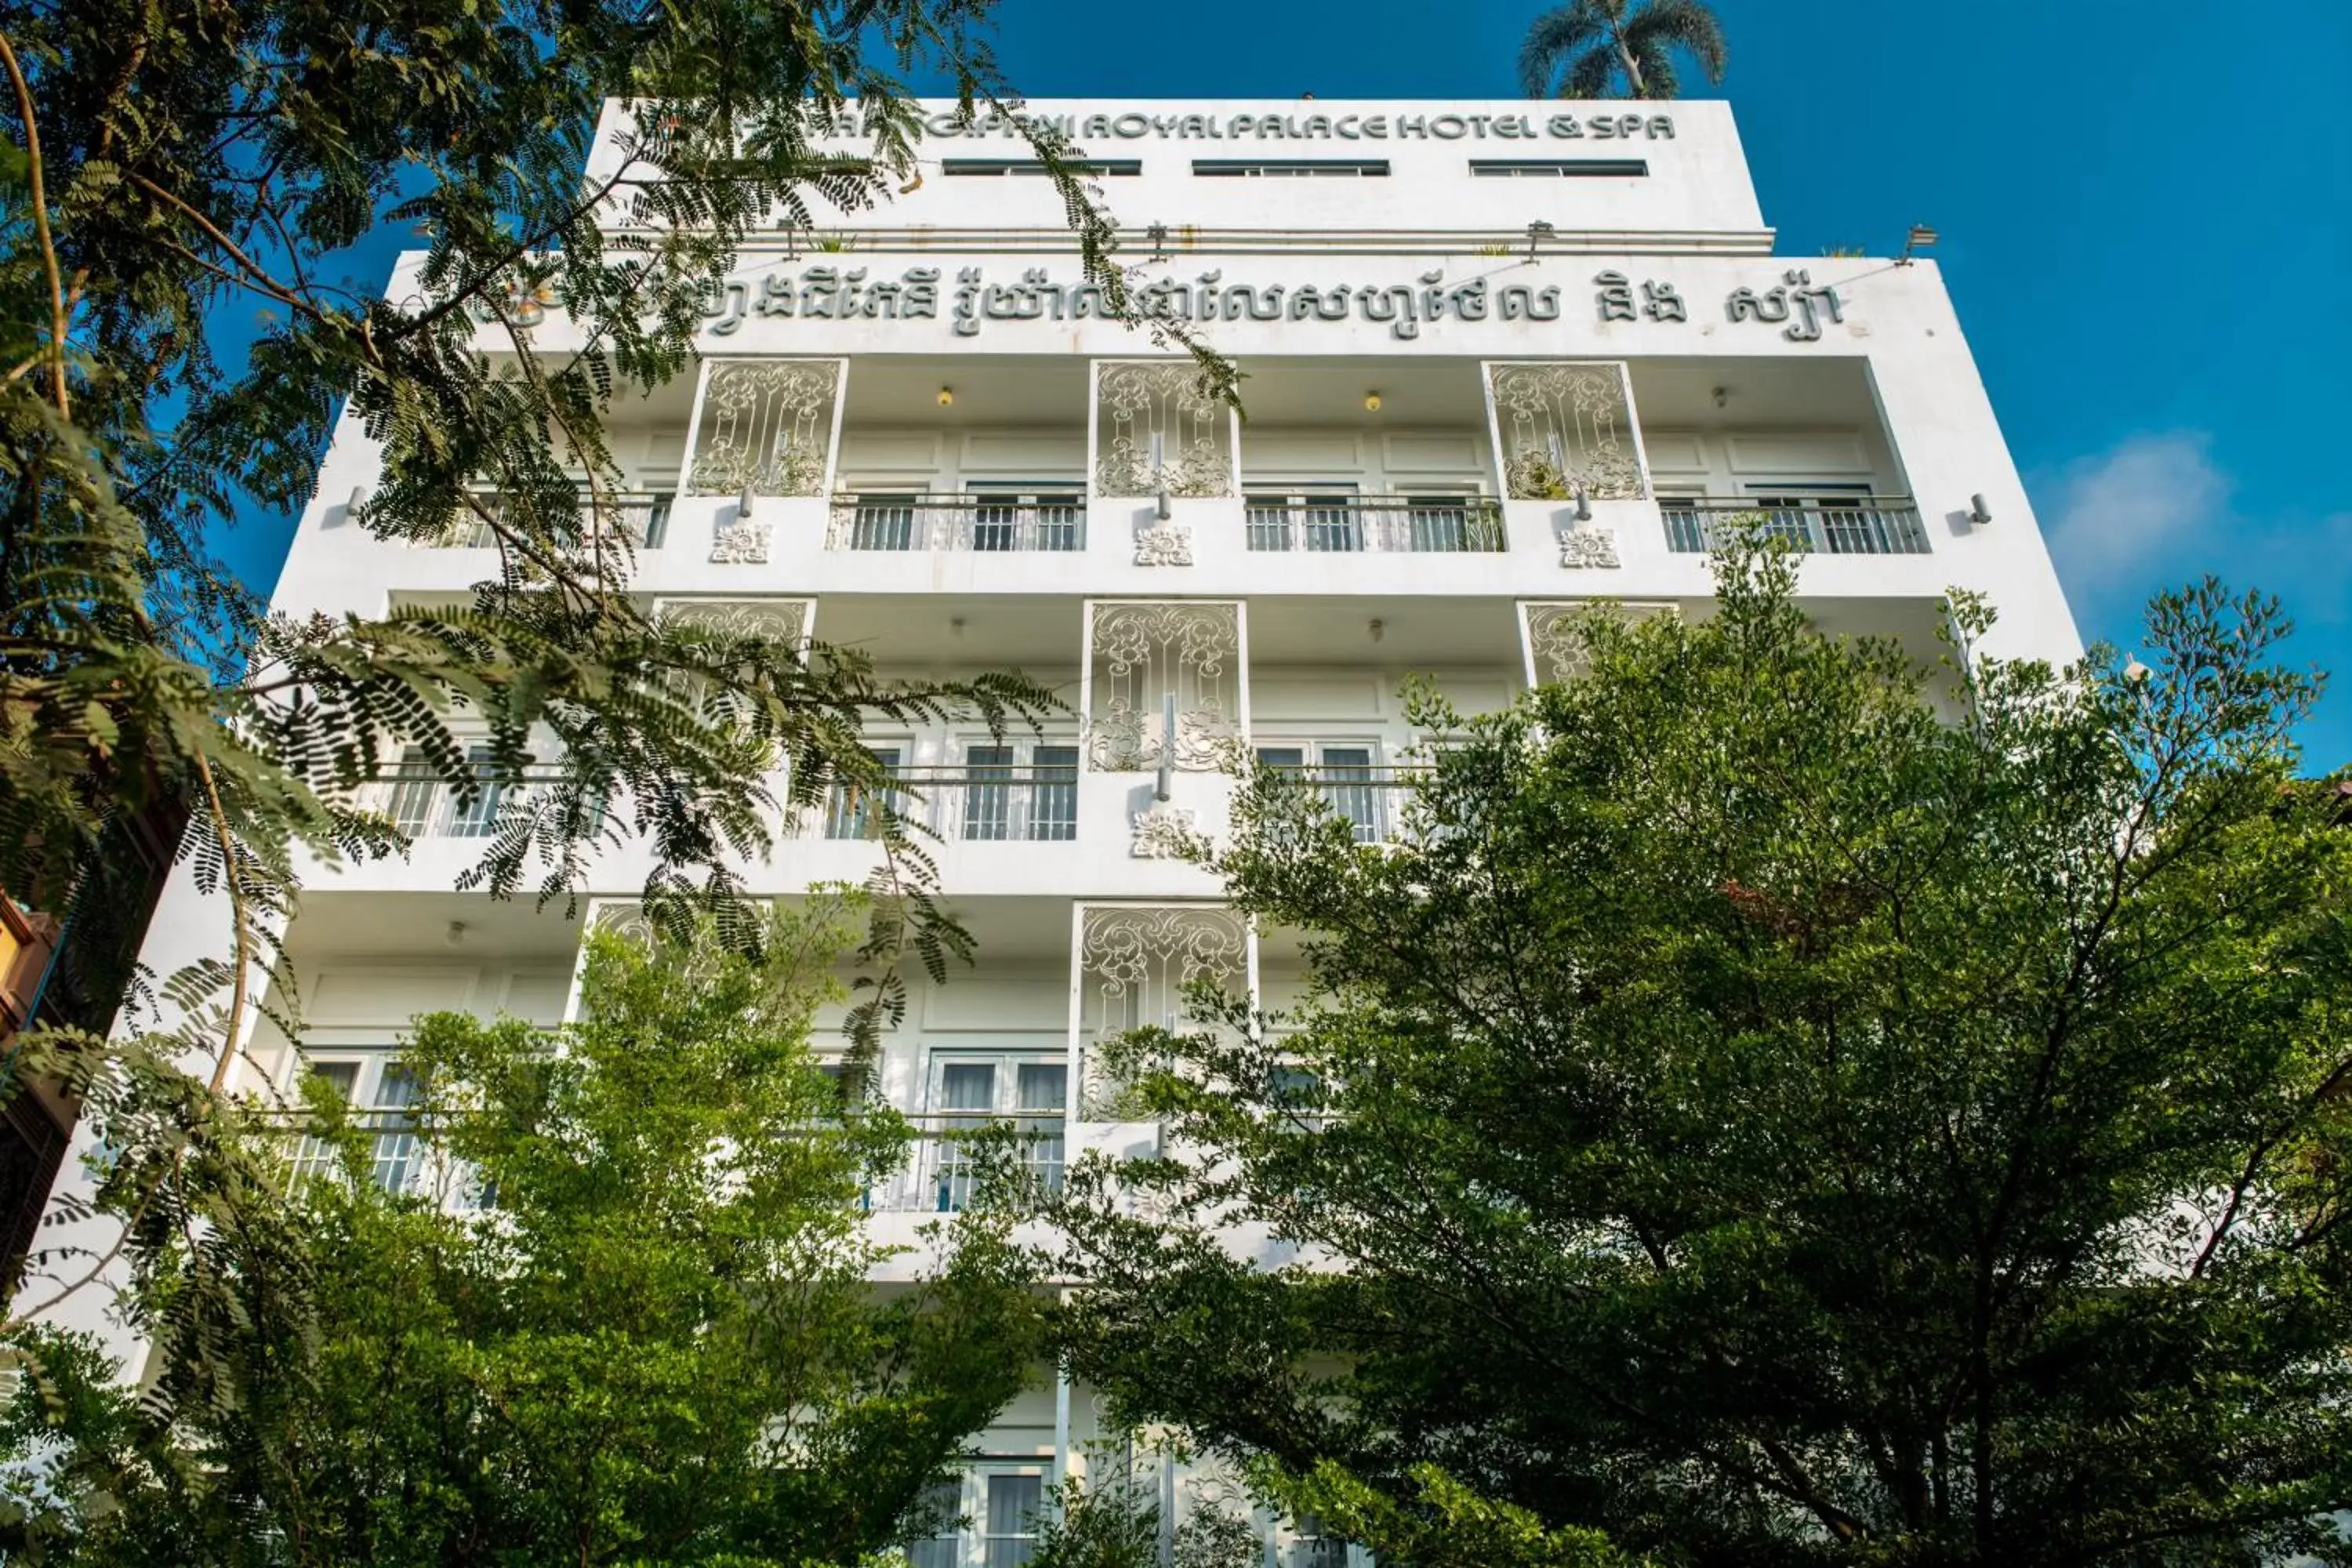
x=1687 y=25
x=1593 y=74
x=1553 y=39
x=1659 y=77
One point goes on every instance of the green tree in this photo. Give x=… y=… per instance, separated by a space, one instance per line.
x=1619 y=48
x=628 y=1319
x=1779 y=1105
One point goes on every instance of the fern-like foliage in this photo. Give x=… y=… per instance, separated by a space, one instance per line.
x=170 y=163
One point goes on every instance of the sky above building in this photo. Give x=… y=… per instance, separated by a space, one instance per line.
x=2148 y=256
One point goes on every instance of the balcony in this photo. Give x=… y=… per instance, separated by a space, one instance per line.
x=1367 y=795
x=641 y=516
x=1820 y=525
x=1442 y=525
x=921 y=522
x=422 y=806
x=945 y=1171
x=1013 y=800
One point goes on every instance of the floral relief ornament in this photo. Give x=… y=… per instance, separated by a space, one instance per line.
x=1164 y=544
x=1161 y=832
x=743 y=542
x=1583 y=547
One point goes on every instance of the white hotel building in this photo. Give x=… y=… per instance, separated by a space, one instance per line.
x=1503 y=359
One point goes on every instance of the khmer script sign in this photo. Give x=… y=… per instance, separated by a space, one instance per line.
x=1793 y=303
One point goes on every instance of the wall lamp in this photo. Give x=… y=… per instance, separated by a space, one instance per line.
x=743 y=501
x=1372 y=402
x=1978 y=513
x=1583 y=505
x=947 y=395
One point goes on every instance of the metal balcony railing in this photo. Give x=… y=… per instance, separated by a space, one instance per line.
x=1369 y=797
x=425 y=805
x=1867 y=525
x=1031 y=803
x=642 y=517
x=943 y=1173
x=1410 y=523
x=948 y=521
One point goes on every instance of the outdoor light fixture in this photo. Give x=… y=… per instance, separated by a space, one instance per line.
x=1583 y=505
x=1372 y=402
x=359 y=500
x=1164 y=512
x=456 y=936
x=1978 y=513
x=743 y=501
x=1378 y=629
x=1921 y=238
x=947 y=395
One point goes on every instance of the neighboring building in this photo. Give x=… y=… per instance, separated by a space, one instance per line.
x=1503 y=359
x=69 y=973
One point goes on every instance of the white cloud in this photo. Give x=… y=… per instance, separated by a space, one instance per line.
x=2122 y=521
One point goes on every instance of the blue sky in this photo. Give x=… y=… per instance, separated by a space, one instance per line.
x=2146 y=225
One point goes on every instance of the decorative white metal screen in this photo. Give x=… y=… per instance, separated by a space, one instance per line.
x=1566 y=426
x=784 y=622
x=1143 y=652
x=1136 y=964
x=766 y=427
x=1158 y=428
x=1556 y=646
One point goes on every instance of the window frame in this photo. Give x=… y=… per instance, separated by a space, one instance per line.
x=1290 y=168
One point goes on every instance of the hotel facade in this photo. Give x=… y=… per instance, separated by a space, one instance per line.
x=1502 y=360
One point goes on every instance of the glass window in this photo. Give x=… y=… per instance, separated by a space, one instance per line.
x=1344 y=774
x=855 y=813
x=479 y=817
x=1011 y=1534
x=939 y=1512
x=382 y=1093
x=988 y=792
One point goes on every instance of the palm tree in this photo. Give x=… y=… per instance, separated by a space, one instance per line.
x=1583 y=48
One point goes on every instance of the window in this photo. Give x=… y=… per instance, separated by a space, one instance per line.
x=852 y=812
x=1003 y=800
x=1556 y=168
x=1305 y=1544
x=884 y=522
x=970 y=1092
x=479 y=818
x=383 y=1094
x=1026 y=515
x=999 y=166
x=1342 y=773
x=941 y=1511
x=1012 y=1520
x=1807 y=514
x=983 y=1519
x=1290 y=168
x=1332 y=520
x=1452 y=523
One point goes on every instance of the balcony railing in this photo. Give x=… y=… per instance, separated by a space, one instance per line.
x=1867 y=525
x=1034 y=801
x=1410 y=524
x=1056 y=522
x=945 y=1173
x=642 y=517
x=1369 y=798
x=425 y=805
